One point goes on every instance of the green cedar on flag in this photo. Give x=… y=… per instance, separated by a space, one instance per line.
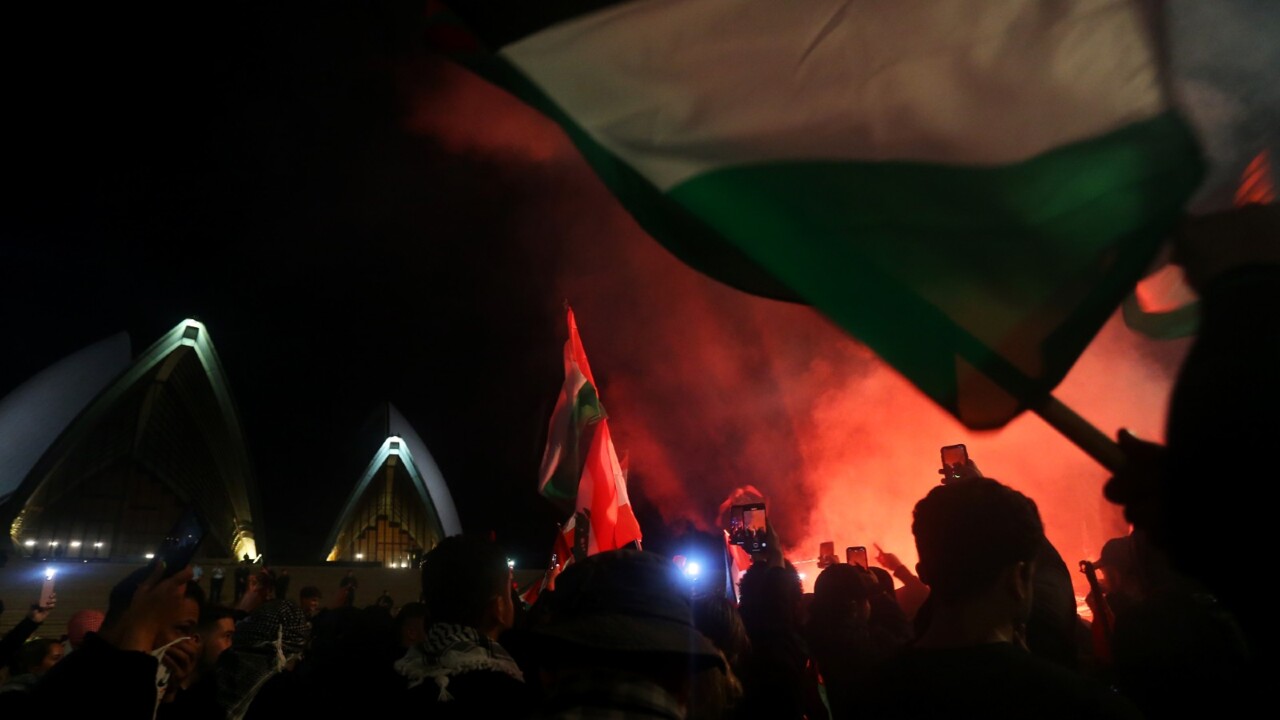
x=970 y=187
x=577 y=407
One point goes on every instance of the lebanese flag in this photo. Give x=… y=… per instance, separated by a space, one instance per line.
x=561 y=554
x=577 y=407
x=602 y=496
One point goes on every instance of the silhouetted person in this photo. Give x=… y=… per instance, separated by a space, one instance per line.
x=216 y=578
x=621 y=643
x=978 y=542
x=1198 y=499
x=460 y=669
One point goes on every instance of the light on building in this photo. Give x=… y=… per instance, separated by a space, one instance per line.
x=98 y=544
x=53 y=543
x=150 y=556
x=75 y=543
x=359 y=556
x=404 y=563
x=30 y=543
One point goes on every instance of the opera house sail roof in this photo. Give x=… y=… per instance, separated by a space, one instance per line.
x=101 y=452
x=400 y=506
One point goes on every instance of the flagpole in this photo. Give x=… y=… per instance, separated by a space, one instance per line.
x=1081 y=432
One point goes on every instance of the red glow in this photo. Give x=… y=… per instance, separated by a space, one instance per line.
x=709 y=389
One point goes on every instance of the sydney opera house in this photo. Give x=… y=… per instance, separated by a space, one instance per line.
x=103 y=450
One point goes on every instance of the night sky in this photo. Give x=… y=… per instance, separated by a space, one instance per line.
x=357 y=221
x=246 y=165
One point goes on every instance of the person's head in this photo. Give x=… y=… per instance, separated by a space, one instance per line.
x=977 y=538
x=717 y=618
x=214 y=634
x=309 y=600
x=1117 y=565
x=466 y=581
x=37 y=656
x=411 y=624
x=274 y=621
x=770 y=598
x=81 y=623
x=842 y=595
x=626 y=612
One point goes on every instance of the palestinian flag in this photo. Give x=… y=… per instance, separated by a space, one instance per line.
x=970 y=187
x=577 y=407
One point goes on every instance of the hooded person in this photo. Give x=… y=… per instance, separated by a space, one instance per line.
x=266 y=643
x=621 y=641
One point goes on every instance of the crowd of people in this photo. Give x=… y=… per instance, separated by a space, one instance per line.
x=985 y=626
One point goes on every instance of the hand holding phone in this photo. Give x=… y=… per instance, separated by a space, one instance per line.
x=47 y=597
x=181 y=542
x=748 y=527
x=856 y=555
x=956 y=464
x=827 y=554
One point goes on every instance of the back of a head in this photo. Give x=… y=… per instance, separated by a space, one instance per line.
x=839 y=590
x=624 y=608
x=31 y=655
x=308 y=592
x=968 y=533
x=81 y=623
x=273 y=621
x=770 y=598
x=459 y=578
x=717 y=618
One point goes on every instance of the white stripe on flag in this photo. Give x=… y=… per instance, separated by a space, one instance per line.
x=677 y=88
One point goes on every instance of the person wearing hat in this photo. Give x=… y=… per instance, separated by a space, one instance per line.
x=621 y=642
x=1118 y=575
x=81 y=623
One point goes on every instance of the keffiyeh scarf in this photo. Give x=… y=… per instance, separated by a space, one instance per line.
x=451 y=650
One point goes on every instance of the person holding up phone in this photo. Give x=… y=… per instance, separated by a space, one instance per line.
x=147 y=612
x=13 y=640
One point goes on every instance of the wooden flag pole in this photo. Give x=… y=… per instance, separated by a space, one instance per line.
x=1081 y=432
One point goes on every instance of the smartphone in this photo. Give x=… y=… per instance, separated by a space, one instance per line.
x=181 y=542
x=747 y=527
x=46 y=590
x=826 y=554
x=954 y=456
x=856 y=555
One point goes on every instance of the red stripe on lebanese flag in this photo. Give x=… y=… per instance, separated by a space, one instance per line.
x=602 y=495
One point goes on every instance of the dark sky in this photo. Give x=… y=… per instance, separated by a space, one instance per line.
x=246 y=165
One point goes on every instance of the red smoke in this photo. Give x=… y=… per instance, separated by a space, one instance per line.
x=709 y=389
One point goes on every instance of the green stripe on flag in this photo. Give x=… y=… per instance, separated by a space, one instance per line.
x=587 y=410
x=1030 y=257
x=1036 y=254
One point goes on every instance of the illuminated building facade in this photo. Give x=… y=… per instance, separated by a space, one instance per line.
x=400 y=506
x=104 y=450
